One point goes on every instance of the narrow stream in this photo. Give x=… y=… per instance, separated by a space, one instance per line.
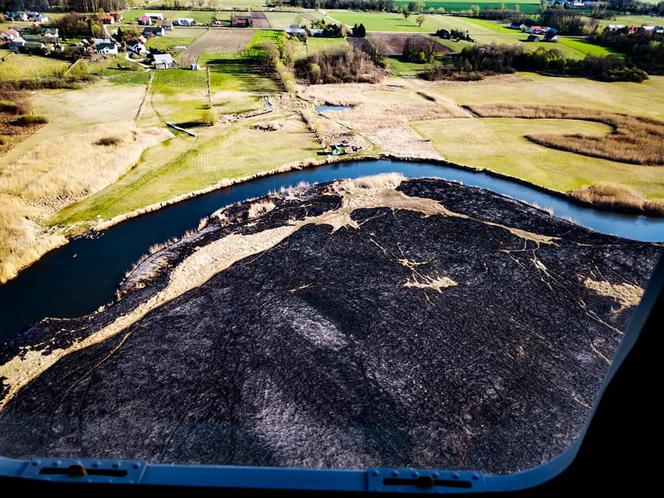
x=81 y=276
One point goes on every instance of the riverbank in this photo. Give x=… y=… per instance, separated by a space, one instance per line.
x=87 y=229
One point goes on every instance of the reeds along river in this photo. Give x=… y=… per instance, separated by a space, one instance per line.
x=83 y=275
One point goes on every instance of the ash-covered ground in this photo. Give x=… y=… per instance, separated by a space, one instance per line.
x=380 y=322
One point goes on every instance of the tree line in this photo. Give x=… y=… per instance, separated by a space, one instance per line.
x=63 y=5
x=644 y=49
x=477 y=61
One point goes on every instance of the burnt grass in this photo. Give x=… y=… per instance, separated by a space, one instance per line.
x=315 y=354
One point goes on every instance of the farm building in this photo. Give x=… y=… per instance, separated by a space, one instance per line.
x=162 y=61
x=10 y=34
x=183 y=21
x=155 y=16
x=241 y=21
x=294 y=29
x=144 y=21
x=104 y=46
x=17 y=44
x=154 y=30
x=17 y=16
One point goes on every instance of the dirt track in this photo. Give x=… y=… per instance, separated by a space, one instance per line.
x=217 y=40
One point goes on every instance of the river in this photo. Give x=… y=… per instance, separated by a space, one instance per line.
x=81 y=276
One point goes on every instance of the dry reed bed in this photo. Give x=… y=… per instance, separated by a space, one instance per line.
x=634 y=140
x=55 y=174
x=12 y=106
x=619 y=197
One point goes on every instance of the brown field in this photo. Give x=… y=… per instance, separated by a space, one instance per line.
x=216 y=40
x=392 y=44
x=258 y=20
x=310 y=16
x=634 y=140
x=381 y=113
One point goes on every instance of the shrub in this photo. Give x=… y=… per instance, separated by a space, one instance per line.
x=29 y=120
x=11 y=107
x=338 y=65
x=210 y=118
x=108 y=141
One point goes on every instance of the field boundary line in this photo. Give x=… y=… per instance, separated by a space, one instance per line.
x=145 y=96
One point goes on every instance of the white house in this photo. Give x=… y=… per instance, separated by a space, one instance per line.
x=104 y=46
x=183 y=21
x=155 y=16
x=162 y=61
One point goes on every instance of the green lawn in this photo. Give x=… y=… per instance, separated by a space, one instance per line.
x=186 y=164
x=584 y=47
x=23 y=66
x=230 y=72
x=500 y=145
x=167 y=43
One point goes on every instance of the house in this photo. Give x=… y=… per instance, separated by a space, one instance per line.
x=154 y=31
x=614 y=27
x=183 y=21
x=50 y=35
x=238 y=21
x=107 y=19
x=138 y=48
x=17 y=16
x=117 y=16
x=295 y=29
x=35 y=46
x=533 y=38
x=167 y=25
x=155 y=16
x=144 y=21
x=162 y=61
x=106 y=46
x=538 y=30
x=10 y=34
x=317 y=32
x=17 y=44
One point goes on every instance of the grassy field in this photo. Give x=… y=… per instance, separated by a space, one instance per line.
x=184 y=165
x=482 y=31
x=499 y=144
x=281 y=20
x=22 y=66
x=634 y=20
x=526 y=6
x=638 y=99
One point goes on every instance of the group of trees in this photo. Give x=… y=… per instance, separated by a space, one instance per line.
x=454 y=34
x=644 y=49
x=507 y=59
x=359 y=31
x=63 y=5
x=419 y=49
x=379 y=5
x=78 y=26
x=339 y=65
x=330 y=30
